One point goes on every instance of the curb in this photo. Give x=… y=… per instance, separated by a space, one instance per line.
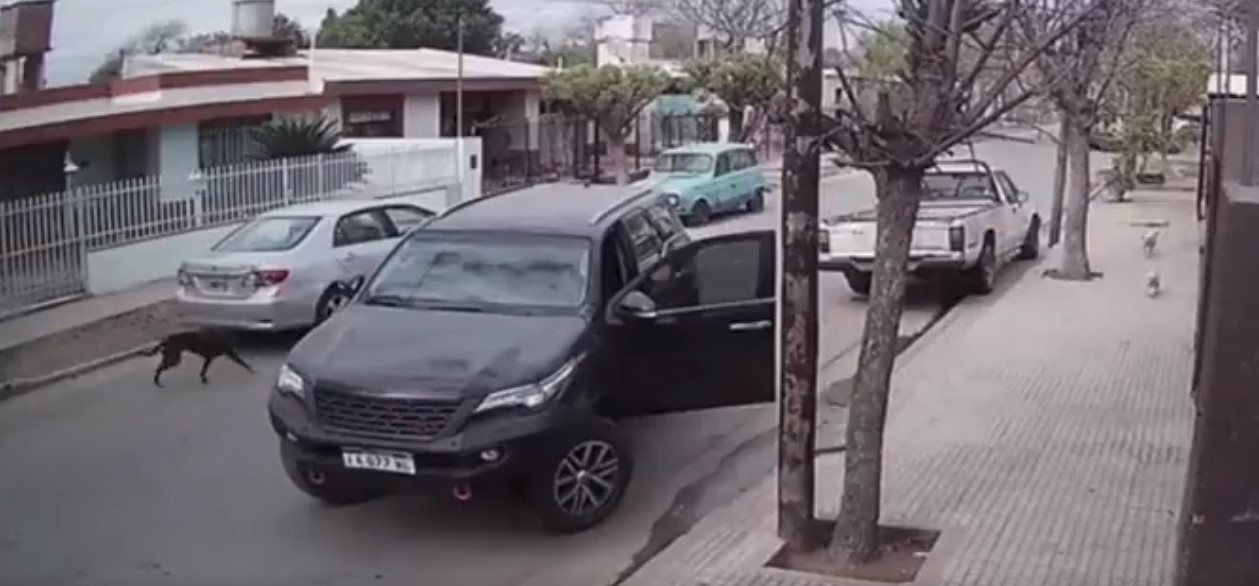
x=16 y=388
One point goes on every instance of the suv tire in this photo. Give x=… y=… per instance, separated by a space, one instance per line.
x=859 y=281
x=982 y=277
x=328 y=486
x=596 y=463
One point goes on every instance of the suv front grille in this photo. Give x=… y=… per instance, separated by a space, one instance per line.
x=382 y=416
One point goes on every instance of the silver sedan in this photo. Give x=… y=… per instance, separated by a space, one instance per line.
x=275 y=272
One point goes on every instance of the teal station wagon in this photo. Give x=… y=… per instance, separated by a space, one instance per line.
x=704 y=179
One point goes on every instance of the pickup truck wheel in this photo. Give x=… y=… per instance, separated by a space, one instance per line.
x=757 y=203
x=700 y=214
x=325 y=484
x=581 y=481
x=859 y=281
x=1031 y=243
x=983 y=276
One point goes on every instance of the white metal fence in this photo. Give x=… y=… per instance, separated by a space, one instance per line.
x=45 y=240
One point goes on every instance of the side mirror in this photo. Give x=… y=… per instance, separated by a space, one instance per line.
x=1023 y=197
x=638 y=305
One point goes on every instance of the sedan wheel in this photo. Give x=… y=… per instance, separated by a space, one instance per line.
x=331 y=302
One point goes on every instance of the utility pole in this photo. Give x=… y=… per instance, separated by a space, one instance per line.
x=461 y=162
x=1252 y=93
x=798 y=311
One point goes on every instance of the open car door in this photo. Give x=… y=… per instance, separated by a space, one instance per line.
x=696 y=329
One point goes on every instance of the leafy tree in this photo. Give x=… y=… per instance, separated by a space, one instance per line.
x=298 y=137
x=610 y=95
x=883 y=50
x=1077 y=74
x=412 y=24
x=162 y=37
x=286 y=28
x=741 y=81
x=1168 y=67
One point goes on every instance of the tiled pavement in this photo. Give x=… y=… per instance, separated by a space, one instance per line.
x=1044 y=430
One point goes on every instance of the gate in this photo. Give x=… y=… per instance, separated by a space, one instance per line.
x=42 y=252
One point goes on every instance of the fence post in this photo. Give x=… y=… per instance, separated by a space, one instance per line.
x=319 y=169
x=286 y=185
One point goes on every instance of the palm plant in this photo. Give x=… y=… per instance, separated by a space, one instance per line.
x=298 y=137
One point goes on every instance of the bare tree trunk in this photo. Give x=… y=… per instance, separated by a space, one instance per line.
x=616 y=156
x=856 y=537
x=798 y=311
x=1060 y=180
x=735 y=117
x=1075 y=258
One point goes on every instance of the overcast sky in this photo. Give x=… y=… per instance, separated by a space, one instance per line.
x=84 y=30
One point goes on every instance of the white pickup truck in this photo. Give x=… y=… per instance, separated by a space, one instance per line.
x=973 y=220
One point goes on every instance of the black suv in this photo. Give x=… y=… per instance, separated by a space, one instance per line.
x=501 y=341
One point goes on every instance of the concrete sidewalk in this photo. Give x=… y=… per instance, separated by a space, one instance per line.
x=62 y=341
x=1044 y=431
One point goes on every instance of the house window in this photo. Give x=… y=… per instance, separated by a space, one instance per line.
x=372 y=124
x=227 y=141
x=371 y=117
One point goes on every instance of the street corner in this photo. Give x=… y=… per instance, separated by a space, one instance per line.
x=81 y=347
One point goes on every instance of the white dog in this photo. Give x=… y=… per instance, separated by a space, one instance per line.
x=1148 y=242
x=1153 y=284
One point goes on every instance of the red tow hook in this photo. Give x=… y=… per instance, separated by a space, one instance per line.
x=462 y=492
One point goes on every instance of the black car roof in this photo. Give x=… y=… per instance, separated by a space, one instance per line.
x=566 y=209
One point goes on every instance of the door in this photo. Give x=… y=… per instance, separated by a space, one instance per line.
x=696 y=330
x=725 y=183
x=360 y=240
x=1014 y=214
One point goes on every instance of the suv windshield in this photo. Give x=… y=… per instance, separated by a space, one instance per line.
x=268 y=234
x=430 y=269
x=937 y=186
x=684 y=163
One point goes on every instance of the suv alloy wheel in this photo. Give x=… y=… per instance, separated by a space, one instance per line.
x=582 y=479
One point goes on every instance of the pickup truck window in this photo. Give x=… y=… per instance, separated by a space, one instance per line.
x=1007 y=186
x=966 y=186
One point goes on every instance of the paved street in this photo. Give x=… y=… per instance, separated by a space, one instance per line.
x=106 y=480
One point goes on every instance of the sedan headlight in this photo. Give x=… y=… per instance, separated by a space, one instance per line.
x=673 y=199
x=533 y=394
x=291 y=383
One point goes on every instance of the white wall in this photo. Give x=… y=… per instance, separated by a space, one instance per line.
x=124 y=267
x=177 y=160
x=418 y=177
x=421 y=116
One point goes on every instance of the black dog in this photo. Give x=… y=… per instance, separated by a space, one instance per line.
x=208 y=344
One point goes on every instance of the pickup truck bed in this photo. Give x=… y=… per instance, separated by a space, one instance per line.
x=975 y=221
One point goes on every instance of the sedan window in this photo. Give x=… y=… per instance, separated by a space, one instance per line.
x=359 y=227
x=268 y=234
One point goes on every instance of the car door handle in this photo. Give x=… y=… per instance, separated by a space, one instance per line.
x=745 y=326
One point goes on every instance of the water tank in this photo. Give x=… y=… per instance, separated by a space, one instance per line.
x=253 y=19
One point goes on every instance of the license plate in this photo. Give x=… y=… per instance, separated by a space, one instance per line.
x=393 y=462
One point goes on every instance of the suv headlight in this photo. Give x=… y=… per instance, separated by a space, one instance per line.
x=291 y=383
x=533 y=394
